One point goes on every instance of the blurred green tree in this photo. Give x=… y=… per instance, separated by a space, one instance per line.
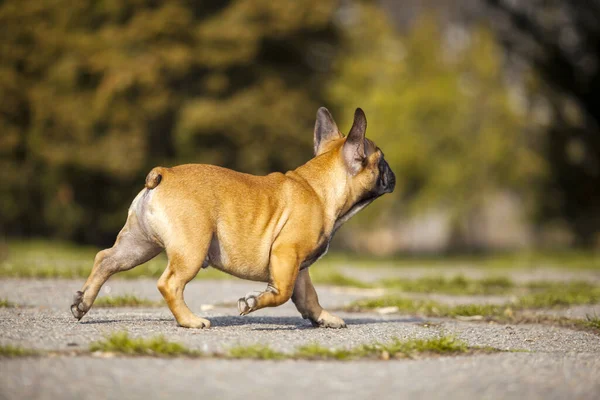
x=560 y=40
x=96 y=92
x=442 y=112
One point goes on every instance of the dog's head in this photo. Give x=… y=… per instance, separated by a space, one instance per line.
x=367 y=173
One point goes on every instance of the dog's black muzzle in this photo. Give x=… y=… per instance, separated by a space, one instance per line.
x=387 y=179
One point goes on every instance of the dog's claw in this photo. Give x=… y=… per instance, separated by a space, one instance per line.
x=78 y=308
x=247 y=304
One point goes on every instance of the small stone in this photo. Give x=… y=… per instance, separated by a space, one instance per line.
x=387 y=310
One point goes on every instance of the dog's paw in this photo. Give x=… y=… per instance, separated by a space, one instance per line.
x=247 y=304
x=79 y=308
x=195 y=323
x=327 y=320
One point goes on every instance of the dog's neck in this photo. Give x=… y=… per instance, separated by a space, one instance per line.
x=329 y=184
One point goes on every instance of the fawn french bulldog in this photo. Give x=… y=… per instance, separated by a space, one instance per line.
x=262 y=228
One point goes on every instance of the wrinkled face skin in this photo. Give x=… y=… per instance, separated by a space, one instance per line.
x=382 y=179
x=374 y=179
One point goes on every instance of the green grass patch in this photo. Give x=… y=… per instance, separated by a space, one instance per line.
x=394 y=349
x=455 y=285
x=438 y=284
x=589 y=324
x=567 y=294
x=431 y=284
x=122 y=343
x=567 y=259
x=326 y=276
x=54 y=259
x=16 y=351
x=4 y=303
x=48 y=259
x=561 y=294
x=541 y=293
x=473 y=310
x=127 y=300
x=592 y=322
x=45 y=259
x=403 y=304
x=255 y=352
x=428 y=308
x=440 y=345
x=516 y=313
x=315 y=351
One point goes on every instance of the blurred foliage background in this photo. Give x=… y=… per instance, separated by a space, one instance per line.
x=486 y=110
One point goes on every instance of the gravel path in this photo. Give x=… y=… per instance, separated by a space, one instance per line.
x=561 y=362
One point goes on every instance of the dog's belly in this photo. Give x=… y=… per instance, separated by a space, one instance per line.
x=243 y=271
x=254 y=266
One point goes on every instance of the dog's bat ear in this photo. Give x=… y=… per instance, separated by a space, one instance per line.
x=354 y=148
x=325 y=130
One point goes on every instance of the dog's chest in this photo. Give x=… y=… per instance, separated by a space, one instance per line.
x=317 y=253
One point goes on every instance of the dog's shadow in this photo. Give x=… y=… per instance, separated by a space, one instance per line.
x=294 y=323
x=276 y=323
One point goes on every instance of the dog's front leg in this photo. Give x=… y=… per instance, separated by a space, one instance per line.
x=307 y=302
x=283 y=270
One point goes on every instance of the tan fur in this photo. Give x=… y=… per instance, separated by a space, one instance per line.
x=259 y=228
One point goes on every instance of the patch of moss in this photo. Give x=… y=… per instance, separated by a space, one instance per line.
x=439 y=345
x=455 y=285
x=122 y=343
x=255 y=352
x=316 y=351
x=403 y=304
x=54 y=259
x=336 y=278
x=558 y=296
x=16 y=351
x=4 y=303
x=394 y=349
x=592 y=322
x=561 y=295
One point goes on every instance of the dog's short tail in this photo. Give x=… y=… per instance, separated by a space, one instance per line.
x=154 y=177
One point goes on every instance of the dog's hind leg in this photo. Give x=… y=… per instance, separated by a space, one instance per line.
x=132 y=248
